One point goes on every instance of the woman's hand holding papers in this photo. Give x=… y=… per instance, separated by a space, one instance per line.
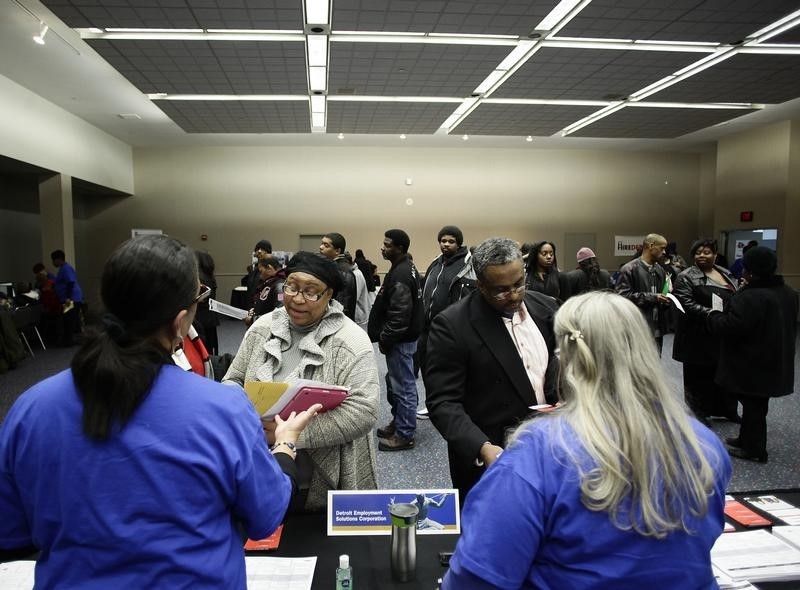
x=283 y=434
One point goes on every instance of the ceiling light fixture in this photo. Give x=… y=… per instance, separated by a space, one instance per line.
x=422 y=38
x=465 y=137
x=629 y=45
x=190 y=34
x=529 y=138
x=370 y=98
x=39 y=39
x=402 y=136
x=228 y=97
x=563 y=12
x=596 y=116
x=317 y=78
x=318 y=122
x=318 y=12
x=776 y=28
x=317 y=46
x=340 y=136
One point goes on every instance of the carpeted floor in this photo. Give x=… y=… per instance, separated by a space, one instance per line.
x=425 y=466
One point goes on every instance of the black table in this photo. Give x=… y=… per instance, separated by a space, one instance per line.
x=305 y=535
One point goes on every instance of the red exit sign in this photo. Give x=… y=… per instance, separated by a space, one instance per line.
x=746 y=216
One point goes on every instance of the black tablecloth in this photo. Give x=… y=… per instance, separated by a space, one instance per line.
x=305 y=535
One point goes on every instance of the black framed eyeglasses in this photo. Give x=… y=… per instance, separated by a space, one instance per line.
x=202 y=295
x=501 y=293
x=309 y=293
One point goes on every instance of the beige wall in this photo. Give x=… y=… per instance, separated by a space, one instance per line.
x=759 y=171
x=38 y=132
x=238 y=195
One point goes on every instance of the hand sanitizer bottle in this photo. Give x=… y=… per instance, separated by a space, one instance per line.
x=344 y=574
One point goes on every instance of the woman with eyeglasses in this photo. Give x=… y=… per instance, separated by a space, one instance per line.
x=311 y=338
x=125 y=471
x=619 y=488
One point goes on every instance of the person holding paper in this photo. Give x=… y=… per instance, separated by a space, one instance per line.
x=619 y=488
x=694 y=345
x=126 y=471
x=644 y=282
x=311 y=338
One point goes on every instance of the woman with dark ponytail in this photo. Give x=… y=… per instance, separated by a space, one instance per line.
x=127 y=471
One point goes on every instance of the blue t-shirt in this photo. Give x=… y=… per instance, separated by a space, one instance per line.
x=66 y=283
x=524 y=526
x=155 y=505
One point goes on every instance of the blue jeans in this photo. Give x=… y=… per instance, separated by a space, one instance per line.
x=402 y=395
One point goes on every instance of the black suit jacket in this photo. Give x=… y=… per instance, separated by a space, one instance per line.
x=475 y=383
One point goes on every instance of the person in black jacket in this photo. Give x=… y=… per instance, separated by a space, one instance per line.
x=395 y=323
x=542 y=271
x=588 y=276
x=490 y=357
x=207 y=319
x=449 y=278
x=333 y=246
x=694 y=345
x=756 y=360
x=643 y=280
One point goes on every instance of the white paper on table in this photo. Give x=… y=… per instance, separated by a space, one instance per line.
x=17 y=575
x=790 y=534
x=756 y=556
x=776 y=507
x=280 y=573
x=227 y=310
x=677 y=303
x=716 y=302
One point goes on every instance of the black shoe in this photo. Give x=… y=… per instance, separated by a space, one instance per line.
x=386 y=431
x=396 y=443
x=733 y=441
x=742 y=454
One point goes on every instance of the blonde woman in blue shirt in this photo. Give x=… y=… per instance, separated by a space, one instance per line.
x=610 y=491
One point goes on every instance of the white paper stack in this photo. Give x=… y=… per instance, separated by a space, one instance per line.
x=776 y=507
x=790 y=534
x=756 y=556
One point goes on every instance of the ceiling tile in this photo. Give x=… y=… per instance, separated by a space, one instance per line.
x=764 y=79
x=515 y=119
x=387 y=117
x=651 y=122
x=678 y=20
x=405 y=69
x=238 y=116
x=590 y=74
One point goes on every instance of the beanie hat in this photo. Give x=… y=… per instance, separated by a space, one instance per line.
x=451 y=230
x=317 y=265
x=761 y=261
x=399 y=238
x=584 y=254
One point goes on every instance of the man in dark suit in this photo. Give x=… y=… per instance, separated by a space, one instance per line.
x=490 y=358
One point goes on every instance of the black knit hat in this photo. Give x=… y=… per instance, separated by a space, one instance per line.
x=318 y=266
x=451 y=230
x=399 y=238
x=760 y=261
x=265 y=245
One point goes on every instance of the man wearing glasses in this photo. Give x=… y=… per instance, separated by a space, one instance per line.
x=490 y=358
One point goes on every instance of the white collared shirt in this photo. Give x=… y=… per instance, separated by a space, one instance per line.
x=531 y=347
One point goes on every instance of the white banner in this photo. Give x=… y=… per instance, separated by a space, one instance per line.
x=626 y=245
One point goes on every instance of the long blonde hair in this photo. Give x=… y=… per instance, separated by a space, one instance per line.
x=635 y=430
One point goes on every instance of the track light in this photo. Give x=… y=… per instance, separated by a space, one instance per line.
x=40 y=37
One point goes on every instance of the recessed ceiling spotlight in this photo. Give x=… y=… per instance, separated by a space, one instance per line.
x=465 y=137
x=529 y=138
x=402 y=136
x=340 y=136
x=39 y=39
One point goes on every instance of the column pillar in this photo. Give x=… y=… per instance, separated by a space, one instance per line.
x=55 y=208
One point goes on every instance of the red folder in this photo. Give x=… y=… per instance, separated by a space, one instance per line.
x=310 y=395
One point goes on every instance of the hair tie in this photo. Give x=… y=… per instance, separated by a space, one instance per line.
x=114 y=327
x=575 y=335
